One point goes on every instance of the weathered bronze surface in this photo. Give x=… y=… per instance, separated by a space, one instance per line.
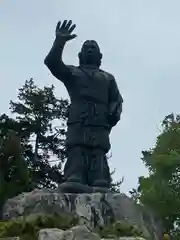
x=96 y=106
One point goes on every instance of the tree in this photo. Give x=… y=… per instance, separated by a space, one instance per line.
x=135 y=195
x=35 y=111
x=115 y=186
x=161 y=189
x=14 y=177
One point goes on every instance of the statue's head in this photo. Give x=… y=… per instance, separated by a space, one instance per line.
x=90 y=54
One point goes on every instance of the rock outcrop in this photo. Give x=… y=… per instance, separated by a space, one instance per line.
x=92 y=209
x=76 y=233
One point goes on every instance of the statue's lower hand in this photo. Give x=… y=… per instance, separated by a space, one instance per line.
x=114 y=114
x=64 y=31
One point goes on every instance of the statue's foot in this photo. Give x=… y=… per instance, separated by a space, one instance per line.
x=74 y=187
x=101 y=186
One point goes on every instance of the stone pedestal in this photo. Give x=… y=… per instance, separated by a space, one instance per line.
x=93 y=209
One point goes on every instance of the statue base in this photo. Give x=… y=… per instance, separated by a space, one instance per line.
x=75 y=187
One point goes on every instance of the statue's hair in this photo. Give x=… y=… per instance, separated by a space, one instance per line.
x=98 y=60
x=92 y=41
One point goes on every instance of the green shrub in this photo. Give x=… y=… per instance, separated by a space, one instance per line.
x=119 y=229
x=28 y=229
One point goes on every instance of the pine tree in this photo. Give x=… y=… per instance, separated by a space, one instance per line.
x=14 y=177
x=35 y=111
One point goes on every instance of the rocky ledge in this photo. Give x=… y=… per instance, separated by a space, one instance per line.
x=75 y=233
x=93 y=211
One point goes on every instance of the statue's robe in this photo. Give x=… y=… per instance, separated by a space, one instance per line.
x=95 y=108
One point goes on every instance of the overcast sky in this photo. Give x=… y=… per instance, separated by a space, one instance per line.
x=140 y=42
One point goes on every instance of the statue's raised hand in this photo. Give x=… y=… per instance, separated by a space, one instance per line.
x=64 y=31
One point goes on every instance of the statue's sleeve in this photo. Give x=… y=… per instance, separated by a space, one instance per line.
x=55 y=63
x=115 y=103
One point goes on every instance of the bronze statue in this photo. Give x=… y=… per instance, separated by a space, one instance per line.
x=96 y=106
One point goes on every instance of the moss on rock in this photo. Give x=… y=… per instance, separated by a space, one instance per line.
x=27 y=228
x=119 y=229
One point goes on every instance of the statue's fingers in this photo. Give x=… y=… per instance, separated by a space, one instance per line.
x=68 y=24
x=72 y=28
x=58 y=25
x=64 y=24
x=72 y=36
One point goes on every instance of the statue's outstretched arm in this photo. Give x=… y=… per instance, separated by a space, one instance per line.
x=55 y=63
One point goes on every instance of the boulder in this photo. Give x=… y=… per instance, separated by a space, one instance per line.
x=96 y=209
x=76 y=233
x=10 y=238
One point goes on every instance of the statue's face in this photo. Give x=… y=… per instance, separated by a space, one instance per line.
x=90 y=52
